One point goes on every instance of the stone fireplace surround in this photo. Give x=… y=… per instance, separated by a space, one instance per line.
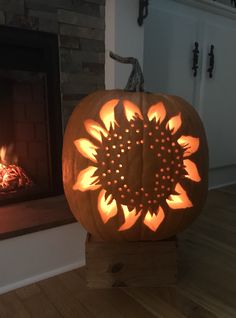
x=80 y=26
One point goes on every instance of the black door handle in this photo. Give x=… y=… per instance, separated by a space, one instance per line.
x=195 y=58
x=211 y=61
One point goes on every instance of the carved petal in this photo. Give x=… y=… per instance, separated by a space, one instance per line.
x=179 y=201
x=95 y=130
x=192 y=171
x=107 y=113
x=86 y=181
x=190 y=144
x=106 y=206
x=153 y=221
x=131 y=110
x=174 y=124
x=86 y=148
x=157 y=112
x=130 y=218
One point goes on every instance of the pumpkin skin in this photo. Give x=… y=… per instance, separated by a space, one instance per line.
x=158 y=165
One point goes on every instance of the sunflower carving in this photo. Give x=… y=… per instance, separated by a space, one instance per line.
x=111 y=142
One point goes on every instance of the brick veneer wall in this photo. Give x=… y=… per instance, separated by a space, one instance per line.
x=80 y=25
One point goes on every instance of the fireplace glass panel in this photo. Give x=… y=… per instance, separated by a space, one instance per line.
x=30 y=114
x=24 y=137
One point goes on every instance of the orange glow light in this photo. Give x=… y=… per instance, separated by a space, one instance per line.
x=86 y=148
x=130 y=218
x=153 y=221
x=192 y=172
x=179 y=201
x=107 y=114
x=174 y=124
x=106 y=206
x=157 y=112
x=131 y=110
x=95 y=130
x=86 y=180
x=190 y=144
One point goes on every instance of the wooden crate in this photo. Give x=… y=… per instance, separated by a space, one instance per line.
x=130 y=264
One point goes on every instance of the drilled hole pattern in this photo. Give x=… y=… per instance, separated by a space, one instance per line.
x=159 y=145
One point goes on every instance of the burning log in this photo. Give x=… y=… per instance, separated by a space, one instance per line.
x=12 y=178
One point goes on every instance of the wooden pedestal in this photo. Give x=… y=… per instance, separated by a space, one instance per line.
x=130 y=264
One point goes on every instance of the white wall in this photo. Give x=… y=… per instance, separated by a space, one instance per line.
x=30 y=258
x=123 y=36
x=36 y=256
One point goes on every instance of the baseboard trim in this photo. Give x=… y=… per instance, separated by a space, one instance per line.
x=37 y=278
x=222 y=185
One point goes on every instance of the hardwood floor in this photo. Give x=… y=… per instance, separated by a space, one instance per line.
x=206 y=285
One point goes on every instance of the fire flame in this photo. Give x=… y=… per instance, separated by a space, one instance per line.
x=12 y=176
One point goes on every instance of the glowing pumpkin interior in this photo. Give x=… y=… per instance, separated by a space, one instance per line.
x=113 y=142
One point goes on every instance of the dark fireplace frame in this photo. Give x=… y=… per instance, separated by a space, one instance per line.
x=35 y=51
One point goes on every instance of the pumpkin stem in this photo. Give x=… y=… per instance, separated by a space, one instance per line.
x=136 y=80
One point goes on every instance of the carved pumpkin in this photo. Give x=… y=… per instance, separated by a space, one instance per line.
x=135 y=165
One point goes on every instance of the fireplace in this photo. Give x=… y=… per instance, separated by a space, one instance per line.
x=30 y=114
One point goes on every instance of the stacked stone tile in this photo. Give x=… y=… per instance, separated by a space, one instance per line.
x=80 y=25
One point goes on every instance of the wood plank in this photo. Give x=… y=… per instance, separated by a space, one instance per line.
x=206 y=267
x=103 y=302
x=217 y=233
x=204 y=299
x=94 y=301
x=147 y=298
x=176 y=298
x=36 y=302
x=28 y=291
x=39 y=306
x=12 y=307
x=67 y=305
x=131 y=264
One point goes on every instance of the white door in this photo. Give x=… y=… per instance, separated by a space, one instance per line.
x=169 y=37
x=218 y=94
